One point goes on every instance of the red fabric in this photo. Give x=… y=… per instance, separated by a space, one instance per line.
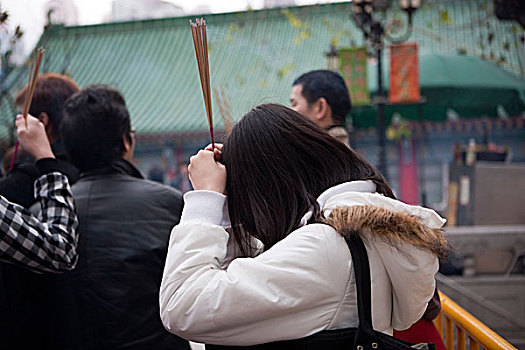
x=408 y=180
x=423 y=331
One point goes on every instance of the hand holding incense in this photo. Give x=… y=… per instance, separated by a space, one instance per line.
x=200 y=42
x=33 y=74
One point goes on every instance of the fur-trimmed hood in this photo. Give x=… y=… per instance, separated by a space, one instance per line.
x=354 y=208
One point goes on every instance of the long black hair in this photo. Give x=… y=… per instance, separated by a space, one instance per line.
x=278 y=163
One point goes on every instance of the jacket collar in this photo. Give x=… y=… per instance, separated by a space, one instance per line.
x=361 y=193
x=120 y=166
x=352 y=186
x=336 y=198
x=59 y=151
x=334 y=127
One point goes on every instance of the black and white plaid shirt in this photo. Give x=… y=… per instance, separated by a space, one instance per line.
x=46 y=242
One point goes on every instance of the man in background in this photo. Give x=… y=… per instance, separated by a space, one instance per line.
x=110 y=301
x=322 y=97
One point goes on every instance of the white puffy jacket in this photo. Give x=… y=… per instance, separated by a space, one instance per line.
x=302 y=285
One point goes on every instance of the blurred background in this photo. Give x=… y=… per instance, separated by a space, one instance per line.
x=438 y=89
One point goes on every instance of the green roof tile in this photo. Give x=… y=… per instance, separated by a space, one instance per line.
x=254 y=56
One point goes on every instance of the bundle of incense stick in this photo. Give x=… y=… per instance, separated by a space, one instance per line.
x=33 y=74
x=200 y=41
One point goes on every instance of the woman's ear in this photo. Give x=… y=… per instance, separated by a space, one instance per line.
x=44 y=118
x=50 y=130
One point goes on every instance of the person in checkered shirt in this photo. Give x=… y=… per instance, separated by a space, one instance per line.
x=48 y=241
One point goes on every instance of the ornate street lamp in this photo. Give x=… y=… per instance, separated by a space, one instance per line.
x=374 y=33
x=332 y=58
x=409 y=6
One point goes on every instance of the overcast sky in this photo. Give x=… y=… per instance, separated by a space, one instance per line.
x=29 y=14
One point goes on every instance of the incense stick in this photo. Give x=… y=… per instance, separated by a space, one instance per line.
x=33 y=74
x=222 y=101
x=200 y=42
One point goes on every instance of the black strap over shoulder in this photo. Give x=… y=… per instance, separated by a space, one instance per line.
x=365 y=332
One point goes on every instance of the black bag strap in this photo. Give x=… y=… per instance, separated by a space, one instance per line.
x=365 y=333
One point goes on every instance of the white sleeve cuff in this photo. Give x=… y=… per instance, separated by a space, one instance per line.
x=203 y=207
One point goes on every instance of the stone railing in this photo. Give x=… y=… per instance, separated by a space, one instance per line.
x=488 y=249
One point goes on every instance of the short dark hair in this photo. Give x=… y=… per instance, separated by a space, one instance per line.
x=95 y=119
x=51 y=92
x=277 y=163
x=331 y=86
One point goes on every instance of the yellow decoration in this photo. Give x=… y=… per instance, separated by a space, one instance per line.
x=294 y=21
x=285 y=70
x=445 y=18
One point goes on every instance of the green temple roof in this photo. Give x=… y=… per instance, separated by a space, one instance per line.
x=254 y=57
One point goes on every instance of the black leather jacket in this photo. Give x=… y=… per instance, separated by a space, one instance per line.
x=110 y=301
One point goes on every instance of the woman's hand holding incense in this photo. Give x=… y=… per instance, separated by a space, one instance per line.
x=206 y=173
x=32 y=137
x=217 y=152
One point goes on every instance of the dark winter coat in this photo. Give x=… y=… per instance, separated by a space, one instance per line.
x=110 y=301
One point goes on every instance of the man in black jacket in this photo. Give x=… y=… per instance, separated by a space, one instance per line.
x=110 y=301
x=24 y=294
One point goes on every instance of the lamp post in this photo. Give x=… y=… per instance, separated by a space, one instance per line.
x=374 y=33
x=332 y=58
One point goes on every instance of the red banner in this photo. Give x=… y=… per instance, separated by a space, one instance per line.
x=404 y=74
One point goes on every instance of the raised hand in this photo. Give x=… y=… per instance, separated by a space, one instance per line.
x=33 y=138
x=206 y=173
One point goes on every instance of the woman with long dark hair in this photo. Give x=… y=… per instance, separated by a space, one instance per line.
x=267 y=262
